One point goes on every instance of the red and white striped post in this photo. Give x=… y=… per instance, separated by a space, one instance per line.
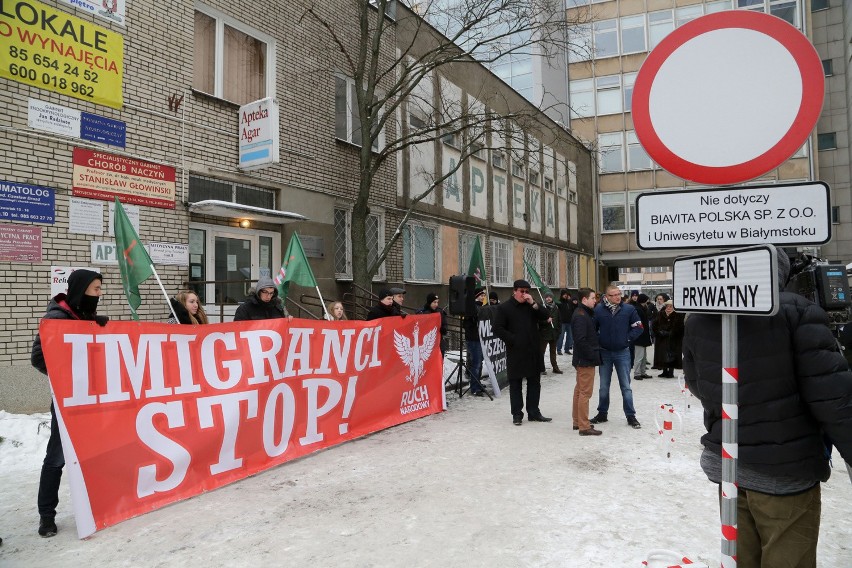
x=730 y=414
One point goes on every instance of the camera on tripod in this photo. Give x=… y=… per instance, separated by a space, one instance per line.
x=824 y=284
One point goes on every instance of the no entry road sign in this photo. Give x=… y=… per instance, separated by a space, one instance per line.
x=789 y=214
x=728 y=97
x=739 y=281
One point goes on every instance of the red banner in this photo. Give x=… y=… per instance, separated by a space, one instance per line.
x=155 y=413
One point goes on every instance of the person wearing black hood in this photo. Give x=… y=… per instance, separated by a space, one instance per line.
x=385 y=307
x=263 y=303
x=432 y=306
x=79 y=303
x=794 y=390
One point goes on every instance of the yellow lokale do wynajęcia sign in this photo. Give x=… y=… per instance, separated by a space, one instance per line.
x=47 y=48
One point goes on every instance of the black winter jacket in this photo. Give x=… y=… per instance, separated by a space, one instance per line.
x=794 y=386
x=516 y=324
x=584 y=331
x=256 y=309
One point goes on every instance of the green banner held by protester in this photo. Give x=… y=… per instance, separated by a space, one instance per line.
x=477 y=264
x=536 y=280
x=133 y=261
x=295 y=268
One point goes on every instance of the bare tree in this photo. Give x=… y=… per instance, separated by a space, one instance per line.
x=393 y=62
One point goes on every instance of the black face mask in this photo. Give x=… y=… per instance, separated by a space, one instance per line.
x=89 y=304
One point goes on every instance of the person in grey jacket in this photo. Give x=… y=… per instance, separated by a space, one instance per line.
x=794 y=390
x=263 y=303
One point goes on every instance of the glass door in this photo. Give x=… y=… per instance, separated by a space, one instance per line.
x=233 y=269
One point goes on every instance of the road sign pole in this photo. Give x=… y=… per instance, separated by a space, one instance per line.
x=730 y=412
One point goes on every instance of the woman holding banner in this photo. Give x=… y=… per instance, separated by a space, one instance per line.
x=188 y=309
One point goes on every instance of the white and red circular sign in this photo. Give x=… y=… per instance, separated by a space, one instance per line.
x=728 y=97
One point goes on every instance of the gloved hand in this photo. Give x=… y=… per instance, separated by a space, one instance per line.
x=661 y=333
x=101 y=320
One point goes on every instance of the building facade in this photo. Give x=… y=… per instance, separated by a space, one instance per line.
x=158 y=104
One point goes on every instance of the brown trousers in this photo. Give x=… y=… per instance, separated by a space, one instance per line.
x=778 y=531
x=582 y=394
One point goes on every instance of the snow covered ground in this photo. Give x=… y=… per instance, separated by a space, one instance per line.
x=461 y=488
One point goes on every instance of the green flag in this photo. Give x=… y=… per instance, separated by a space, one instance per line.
x=295 y=268
x=536 y=279
x=133 y=260
x=477 y=264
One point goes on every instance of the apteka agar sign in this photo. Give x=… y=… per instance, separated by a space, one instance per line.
x=739 y=281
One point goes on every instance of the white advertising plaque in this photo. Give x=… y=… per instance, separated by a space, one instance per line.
x=85 y=216
x=169 y=253
x=738 y=281
x=791 y=214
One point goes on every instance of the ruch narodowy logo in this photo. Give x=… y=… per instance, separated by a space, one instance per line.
x=415 y=354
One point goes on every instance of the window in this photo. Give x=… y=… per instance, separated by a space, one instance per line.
x=629 y=80
x=550 y=268
x=633 y=34
x=713 y=7
x=230 y=60
x=631 y=208
x=581 y=44
x=687 y=14
x=531 y=258
x=347 y=122
x=548 y=185
x=582 y=98
x=660 y=24
x=498 y=159
x=572 y=196
x=606 y=38
x=501 y=261
x=374 y=226
x=201 y=189
x=517 y=168
x=827 y=67
x=466 y=243
x=608 y=94
x=835 y=214
x=637 y=157
x=817 y=5
x=572 y=262
x=451 y=139
x=533 y=177
x=419 y=256
x=827 y=141
x=611 y=149
x=786 y=10
x=613 y=212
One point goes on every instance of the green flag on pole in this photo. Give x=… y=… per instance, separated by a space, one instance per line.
x=536 y=280
x=295 y=268
x=133 y=261
x=477 y=264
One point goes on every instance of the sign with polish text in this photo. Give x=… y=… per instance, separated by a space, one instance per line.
x=49 y=49
x=259 y=134
x=739 y=281
x=152 y=413
x=789 y=214
x=98 y=175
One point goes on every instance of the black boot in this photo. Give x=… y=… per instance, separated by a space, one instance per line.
x=599 y=419
x=47 y=527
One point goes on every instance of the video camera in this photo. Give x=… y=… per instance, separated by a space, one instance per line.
x=824 y=284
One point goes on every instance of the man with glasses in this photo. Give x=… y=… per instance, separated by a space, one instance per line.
x=618 y=326
x=516 y=321
x=262 y=304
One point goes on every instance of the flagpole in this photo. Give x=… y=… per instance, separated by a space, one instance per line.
x=324 y=307
x=157 y=276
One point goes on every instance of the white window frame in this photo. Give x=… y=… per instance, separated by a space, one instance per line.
x=466 y=241
x=221 y=20
x=351 y=106
x=628 y=81
x=633 y=147
x=614 y=31
x=615 y=199
x=532 y=251
x=552 y=279
x=378 y=212
x=506 y=277
x=631 y=208
x=572 y=277
x=436 y=229
x=605 y=148
x=608 y=86
x=632 y=25
x=658 y=21
x=584 y=90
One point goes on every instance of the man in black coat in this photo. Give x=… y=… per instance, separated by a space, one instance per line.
x=587 y=356
x=515 y=321
x=386 y=306
x=566 y=305
x=79 y=303
x=794 y=389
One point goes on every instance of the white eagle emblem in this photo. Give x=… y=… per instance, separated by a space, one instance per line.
x=415 y=355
